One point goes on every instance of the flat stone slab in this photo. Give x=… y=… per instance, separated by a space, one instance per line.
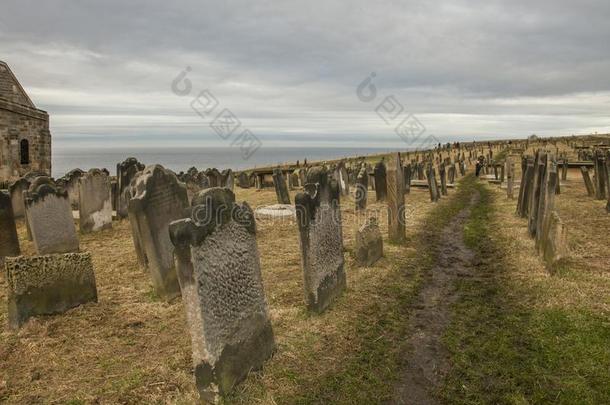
x=49 y=284
x=275 y=211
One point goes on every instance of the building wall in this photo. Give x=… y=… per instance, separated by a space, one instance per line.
x=20 y=120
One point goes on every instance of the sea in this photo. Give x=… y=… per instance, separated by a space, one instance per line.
x=182 y=158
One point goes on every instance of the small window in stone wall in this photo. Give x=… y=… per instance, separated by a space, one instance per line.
x=24 y=149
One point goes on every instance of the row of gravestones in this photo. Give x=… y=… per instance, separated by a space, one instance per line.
x=206 y=252
x=536 y=202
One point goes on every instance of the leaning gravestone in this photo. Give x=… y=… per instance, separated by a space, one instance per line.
x=321 y=239
x=218 y=267
x=227 y=179
x=16 y=190
x=281 y=191
x=9 y=242
x=49 y=216
x=125 y=172
x=158 y=199
x=369 y=244
x=130 y=192
x=50 y=284
x=95 y=202
x=381 y=188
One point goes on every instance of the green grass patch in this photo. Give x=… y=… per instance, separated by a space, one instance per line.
x=506 y=350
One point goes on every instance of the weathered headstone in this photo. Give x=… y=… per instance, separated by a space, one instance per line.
x=443 y=176
x=159 y=198
x=95 y=206
x=228 y=179
x=369 y=244
x=556 y=240
x=49 y=216
x=381 y=188
x=214 y=177
x=407 y=173
x=218 y=267
x=546 y=200
x=125 y=172
x=432 y=184
x=600 y=175
x=9 y=242
x=534 y=197
x=510 y=173
x=49 y=284
x=243 y=180
x=321 y=239
x=525 y=188
x=281 y=191
x=361 y=190
x=69 y=182
x=16 y=190
x=396 y=199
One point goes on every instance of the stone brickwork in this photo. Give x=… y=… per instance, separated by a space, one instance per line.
x=25 y=140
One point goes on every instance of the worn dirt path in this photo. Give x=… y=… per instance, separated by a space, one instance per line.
x=427 y=361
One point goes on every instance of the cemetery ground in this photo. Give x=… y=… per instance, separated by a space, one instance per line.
x=516 y=331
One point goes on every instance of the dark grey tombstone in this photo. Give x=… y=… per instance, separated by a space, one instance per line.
x=158 y=199
x=49 y=284
x=125 y=172
x=407 y=178
x=587 y=179
x=396 y=199
x=361 y=193
x=9 y=242
x=443 y=176
x=534 y=198
x=281 y=191
x=218 y=267
x=381 y=187
x=321 y=240
x=243 y=180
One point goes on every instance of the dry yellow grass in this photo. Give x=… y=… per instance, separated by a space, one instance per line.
x=131 y=347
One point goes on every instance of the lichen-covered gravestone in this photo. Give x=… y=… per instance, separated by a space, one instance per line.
x=218 y=266
x=361 y=193
x=369 y=244
x=95 y=202
x=158 y=199
x=321 y=239
x=9 y=243
x=50 y=284
x=49 y=216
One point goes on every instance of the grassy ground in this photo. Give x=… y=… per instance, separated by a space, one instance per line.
x=521 y=334
x=131 y=347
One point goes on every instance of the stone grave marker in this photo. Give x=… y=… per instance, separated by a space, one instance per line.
x=16 y=190
x=49 y=216
x=396 y=199
x=281 y=191
x=158 y=199
x=95 y=205
x=321 y=240
x=381 y=187
x=218 y=266
x=361 y=192
x=49 y=284
x=125 y=172
x=369 y=244
x=9 y=242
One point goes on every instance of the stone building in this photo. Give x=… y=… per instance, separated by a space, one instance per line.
x=25 y=140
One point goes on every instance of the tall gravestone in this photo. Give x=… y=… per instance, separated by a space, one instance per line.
x=407 y=173
x=125 y=172
x=95 y=202
x=525 y=188
x=130 y=192
x=381 y=186
x=432 y=184
x=587 y=179
x=321 y=239
x=49 y=216
x=534 y=197
x=443 y=176
x=218 y=267
x=361 y=192
x=9 y=242
x=158 y=199
x=281 y=190
x=396 y=199
x=228 y=179
x=49 y=284
x=16 y=190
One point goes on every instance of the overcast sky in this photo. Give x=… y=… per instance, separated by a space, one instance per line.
x=289 y=70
